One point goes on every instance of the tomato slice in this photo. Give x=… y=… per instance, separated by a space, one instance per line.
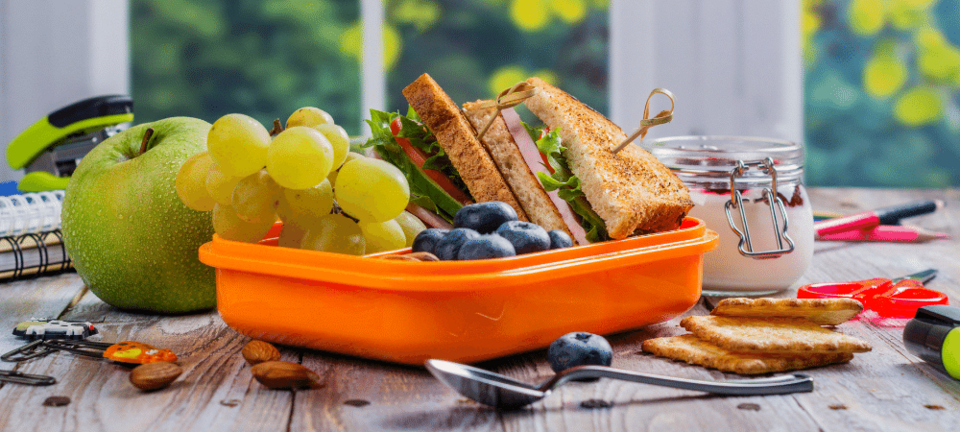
x=419 y=158
x=546 y=163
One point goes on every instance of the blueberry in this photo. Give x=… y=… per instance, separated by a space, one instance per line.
x=487 y=246
x=559 y=239
x=525 y=237
x=447 y=248
x=427 y=240
x=578 y=349
x=484 y=217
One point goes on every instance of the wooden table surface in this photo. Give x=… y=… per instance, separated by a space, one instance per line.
x=887 y=389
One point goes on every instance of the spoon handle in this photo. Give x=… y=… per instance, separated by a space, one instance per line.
x=780 y=384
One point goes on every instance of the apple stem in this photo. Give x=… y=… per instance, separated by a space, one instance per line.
x=277 y=127
x=146 y=139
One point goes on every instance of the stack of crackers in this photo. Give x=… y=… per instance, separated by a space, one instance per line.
x=756 y=336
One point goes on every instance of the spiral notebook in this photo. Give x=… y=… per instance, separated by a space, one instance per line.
x=30 y=240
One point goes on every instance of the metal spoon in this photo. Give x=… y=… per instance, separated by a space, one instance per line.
x=501 y=391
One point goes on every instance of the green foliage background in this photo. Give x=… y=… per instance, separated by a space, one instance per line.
x=882 y=77
x=882 y=87
x=263 y=58
x=207 y=58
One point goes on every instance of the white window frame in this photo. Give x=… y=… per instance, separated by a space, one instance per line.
x=734 y=66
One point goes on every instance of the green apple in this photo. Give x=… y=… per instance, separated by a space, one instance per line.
x=131 y=239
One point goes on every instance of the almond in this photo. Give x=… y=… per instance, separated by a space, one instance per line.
x=153 y=376
x=423 y=256
x=259 y=352
x=285 y=375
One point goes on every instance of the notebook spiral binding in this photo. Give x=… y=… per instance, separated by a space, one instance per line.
x=31 y=243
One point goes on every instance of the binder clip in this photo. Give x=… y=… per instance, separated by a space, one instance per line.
x=51 y=148
x=777 y=212
x=17 y=377
x=54 y=329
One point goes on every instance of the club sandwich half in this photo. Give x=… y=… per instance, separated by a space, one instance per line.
x=562 y=176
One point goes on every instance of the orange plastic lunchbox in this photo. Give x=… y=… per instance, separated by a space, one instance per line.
x=464 y=311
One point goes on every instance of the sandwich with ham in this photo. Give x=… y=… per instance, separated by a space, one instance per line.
x=562 y=175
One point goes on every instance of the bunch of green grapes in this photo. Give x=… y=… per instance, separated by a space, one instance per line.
x=328 y=198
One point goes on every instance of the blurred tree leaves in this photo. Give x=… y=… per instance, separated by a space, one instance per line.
x=207 y=58
x=882 y=90
x=476 y=48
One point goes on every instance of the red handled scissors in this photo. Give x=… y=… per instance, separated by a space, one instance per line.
x=890 y=298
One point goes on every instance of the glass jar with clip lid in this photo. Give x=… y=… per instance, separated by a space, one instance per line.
x=750 y=190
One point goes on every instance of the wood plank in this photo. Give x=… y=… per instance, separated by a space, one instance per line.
x=885 y=389
x=215 y=392
x=367 y=395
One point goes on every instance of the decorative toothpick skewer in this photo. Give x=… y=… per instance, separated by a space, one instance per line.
x=508 y=98
x=647 y=122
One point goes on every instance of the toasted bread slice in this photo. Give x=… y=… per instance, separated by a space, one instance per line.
x=631 y=190
x=506 y=154
x=459 y=140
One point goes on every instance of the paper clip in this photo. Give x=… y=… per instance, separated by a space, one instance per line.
x=31 y=350
x=770 y=195
x=17 y=377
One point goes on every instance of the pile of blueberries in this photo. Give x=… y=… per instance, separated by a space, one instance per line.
x=488 y=230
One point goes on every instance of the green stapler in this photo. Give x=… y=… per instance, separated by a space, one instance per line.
x=50 y=149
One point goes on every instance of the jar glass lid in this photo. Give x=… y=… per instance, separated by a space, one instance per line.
x=719 y=154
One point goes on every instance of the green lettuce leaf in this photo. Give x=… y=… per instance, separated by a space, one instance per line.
x=566 y=183
x=424 y=191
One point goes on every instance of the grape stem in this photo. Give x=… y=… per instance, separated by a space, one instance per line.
x=146 y=139
x=338 y=210
x=277 y=127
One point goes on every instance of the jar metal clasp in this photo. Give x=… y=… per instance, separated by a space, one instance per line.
x=777 y=211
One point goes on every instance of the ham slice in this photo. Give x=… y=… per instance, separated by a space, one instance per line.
x=534 y=162
x=429 y=218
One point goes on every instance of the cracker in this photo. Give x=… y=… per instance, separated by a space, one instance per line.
x=692 y=350
x=831 y=311
x=771 y=335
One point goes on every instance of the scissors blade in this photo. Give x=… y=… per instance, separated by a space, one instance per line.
x=923 y=276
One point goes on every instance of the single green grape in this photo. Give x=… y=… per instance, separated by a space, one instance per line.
x=220 y=184
x=309 y=116
x=338 y=139
x=229 y=226
x=372 y=190
x=299 y=158
x=335 y=233
x=291 y=235
x=191 y=182
x=333 y=173
x=256 y=197
x=238 y=143
x=306 y=206
x=383 y=236
x=411 y=226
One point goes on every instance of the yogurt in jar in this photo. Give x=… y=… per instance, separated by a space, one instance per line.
x=710 y=166
x=726 y=269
